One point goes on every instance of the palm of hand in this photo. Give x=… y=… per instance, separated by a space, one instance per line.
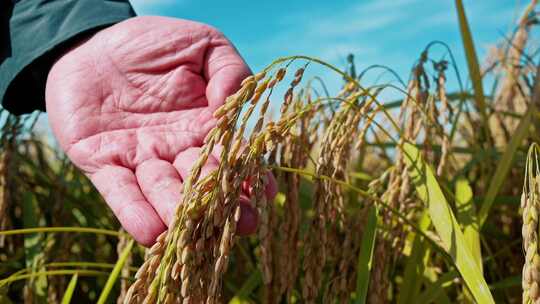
x=131 y=107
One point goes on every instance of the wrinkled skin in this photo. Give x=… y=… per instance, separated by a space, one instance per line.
x=131 y=106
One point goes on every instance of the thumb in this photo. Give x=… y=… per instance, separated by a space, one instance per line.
x=224 y=70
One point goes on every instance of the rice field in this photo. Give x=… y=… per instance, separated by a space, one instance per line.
x=430 y=198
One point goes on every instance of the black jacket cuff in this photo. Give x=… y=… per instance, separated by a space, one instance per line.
x=37 y=33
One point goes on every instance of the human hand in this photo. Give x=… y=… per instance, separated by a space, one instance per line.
x=131 y=107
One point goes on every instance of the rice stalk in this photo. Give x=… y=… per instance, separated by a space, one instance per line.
x=123 y=242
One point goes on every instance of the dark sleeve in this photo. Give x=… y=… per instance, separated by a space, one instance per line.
x=33 y=35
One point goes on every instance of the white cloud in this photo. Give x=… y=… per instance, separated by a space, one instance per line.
x=350 y=20
x=476 y=14
x=332 y=35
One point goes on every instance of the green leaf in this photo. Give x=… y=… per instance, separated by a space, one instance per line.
x=445 y=223
x=365 y=258
x=115 y=273
x=253 y=281
x=472 y=62
x=416 y=264
x=503 y=166
x=66 y=299
x=435 y=289
x=466 y=216
x=508 y=282
x=237 y=300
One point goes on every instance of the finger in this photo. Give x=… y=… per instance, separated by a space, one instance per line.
x=224 y=69
x=247 y=224
x=185 y=160
x=119 y=187
x=161 y=185
x=249 y=218
x=270 y=190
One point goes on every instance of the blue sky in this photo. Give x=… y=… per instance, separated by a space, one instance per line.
x=389 y=32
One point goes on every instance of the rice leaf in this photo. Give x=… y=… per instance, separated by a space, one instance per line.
x=436 y=288
x=416 y=264
x=237 y=300
x=66 y=299
x=472 y=63
x=115 y=273
x=365 y=258
x=442 y=298
x=466 y=216
x=508 y=282
x=252 y=282
x=445 y=223
x=503 y=166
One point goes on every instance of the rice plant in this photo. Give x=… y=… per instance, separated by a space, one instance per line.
x=416 y=200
